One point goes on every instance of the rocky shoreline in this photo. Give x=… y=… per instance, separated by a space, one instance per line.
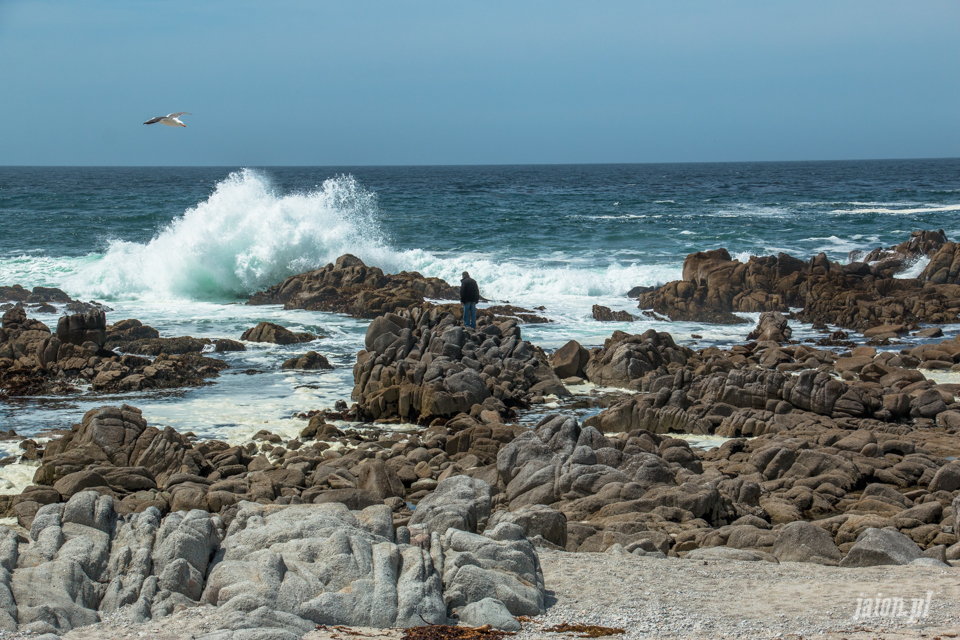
x=837 y=455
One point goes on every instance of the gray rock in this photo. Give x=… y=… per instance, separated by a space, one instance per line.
x=876 y=547
x=930 y=562
x=325 y=564
x=458 y=502
x=488 y=611
x=806 y=542
x=508 y=569
x=947 y=478
x=956 y=514
x=536 y=520
x=131 y=562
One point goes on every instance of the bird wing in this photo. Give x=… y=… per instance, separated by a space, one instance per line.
x=154 y=120
x=179 y=113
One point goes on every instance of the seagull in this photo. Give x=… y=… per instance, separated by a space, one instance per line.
x=172 y=120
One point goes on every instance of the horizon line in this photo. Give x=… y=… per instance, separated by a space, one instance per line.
x=509 y=164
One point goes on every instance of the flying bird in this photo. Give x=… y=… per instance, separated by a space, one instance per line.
x=172 y=120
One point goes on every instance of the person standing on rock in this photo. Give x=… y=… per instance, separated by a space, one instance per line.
x=469 y=297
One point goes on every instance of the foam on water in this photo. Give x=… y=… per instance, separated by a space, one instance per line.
x=246 y=237
x=915 y=268
x=926 y=209
x=242 y=238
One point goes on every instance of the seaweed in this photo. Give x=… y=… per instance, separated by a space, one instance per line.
x=585 y=630
x=446 y=632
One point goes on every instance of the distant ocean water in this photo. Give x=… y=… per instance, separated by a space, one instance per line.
x=179 y=247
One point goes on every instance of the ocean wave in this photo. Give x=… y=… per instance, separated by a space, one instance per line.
x=949 y=207
x=242 y=238
x=246 y=237
x=915 y=268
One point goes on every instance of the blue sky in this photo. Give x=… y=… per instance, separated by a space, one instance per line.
x=364 y=83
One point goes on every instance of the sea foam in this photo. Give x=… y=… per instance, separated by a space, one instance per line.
x=242 y=238
x=246 y=237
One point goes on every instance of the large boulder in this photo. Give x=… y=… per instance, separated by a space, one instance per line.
x=327 y=565
x=875 y=547
x=309 y=361
x=773 y=326
x=569 y=360
x=458 y=502
x=82 y=328
x=500 y=564
x=535 y=520
x=270 y=332
x=488 y=612
x=806 y=542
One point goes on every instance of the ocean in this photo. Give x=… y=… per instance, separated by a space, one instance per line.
x=181 y=248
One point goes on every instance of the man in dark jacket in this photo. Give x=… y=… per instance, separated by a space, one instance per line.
x=469 y=297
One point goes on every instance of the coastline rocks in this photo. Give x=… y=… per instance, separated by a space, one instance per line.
x=420 y=365
x=894 y=259
x=34 y=361
x=858 y=295
x=944 y=266
x=126 y=332
x=115 y=449
x=589 y=477
x=222 y=345
x=499 y=564
x=270 y=332
x=488 y=612
x=349 y=286
x=327 y=565
x=771 y=326
x=626 y=359
x=275 y=568
x=84 y=328
x=604 y=314
x=311 y=360
x=536 y=520
x=39 y=295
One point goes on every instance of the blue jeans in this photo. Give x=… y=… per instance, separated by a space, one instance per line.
x=470 y=314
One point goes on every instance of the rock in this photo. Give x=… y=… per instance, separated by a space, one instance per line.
x=806 y=542
x=536 y=520
x=488 y=612
x=876 y=547
x=222 y=345
x=604 y=314
x=82 y=328
x=569 y=360
x=355 y=577
x=309 y=361
x=947 y=478
x=944 y=265
x=459 y=502
x=351 y=287
x=772 y=326
x=270 y=332
x=500 y=564
x=379 y=479
x=625 y=359
x=421 y=365
x=75 y=482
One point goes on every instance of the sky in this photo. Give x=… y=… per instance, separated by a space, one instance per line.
x=494 y=82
